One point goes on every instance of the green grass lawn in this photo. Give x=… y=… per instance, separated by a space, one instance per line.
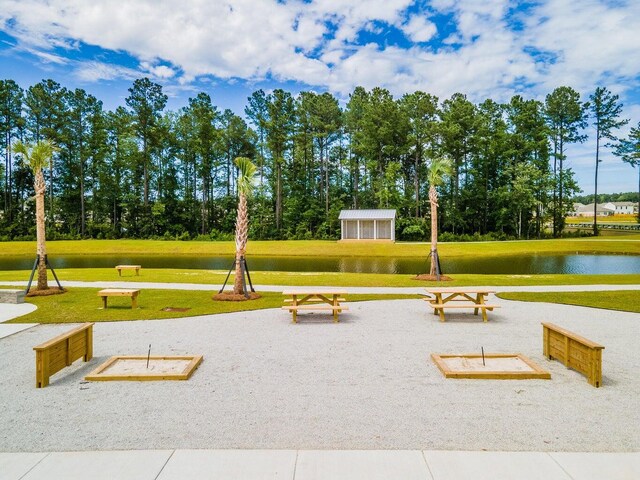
x=624 y=300
x=216 y=277
x=84 y=305
x=629 y=244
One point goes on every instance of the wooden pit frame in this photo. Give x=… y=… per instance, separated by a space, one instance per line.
x=98 y=376
x=495 y=375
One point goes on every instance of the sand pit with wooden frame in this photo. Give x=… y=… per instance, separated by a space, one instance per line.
x=135 y=368
x=496 y=366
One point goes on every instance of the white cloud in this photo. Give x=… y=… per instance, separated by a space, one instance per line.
x=47 y=57
x=593 y=42
x=317 y=42
x=158 y=71
x=419 y=29
x=94 y=71
x=490 y=50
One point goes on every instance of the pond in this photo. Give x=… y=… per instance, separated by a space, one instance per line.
x=520 y=264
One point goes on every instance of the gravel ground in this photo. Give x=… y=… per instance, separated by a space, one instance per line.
x=365 y=383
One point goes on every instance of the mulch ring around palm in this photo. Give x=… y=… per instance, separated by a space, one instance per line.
x=235 y=297
x=45 y=293
x=432 y=278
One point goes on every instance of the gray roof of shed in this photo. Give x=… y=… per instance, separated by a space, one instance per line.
x=367 y=215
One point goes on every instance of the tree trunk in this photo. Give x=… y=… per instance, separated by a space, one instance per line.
x=82 y=207
x=326 y=182
x=555 y=184
x=560 y=192
x=278 y=195
x=416 y=184
x=519 y=224
x=433 y=199
x=40 y=188
x=242 y=233
x=50 y=188
x=356 y=181
x=145 y=161
x=595 y=193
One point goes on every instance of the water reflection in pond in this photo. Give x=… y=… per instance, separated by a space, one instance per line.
x=521 y=264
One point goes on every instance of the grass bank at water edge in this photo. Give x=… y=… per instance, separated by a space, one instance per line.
x=629 y=245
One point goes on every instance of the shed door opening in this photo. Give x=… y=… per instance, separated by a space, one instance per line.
x=367 y=230
x=384 y=229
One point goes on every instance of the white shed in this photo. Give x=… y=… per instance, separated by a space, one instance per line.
x=368 y=225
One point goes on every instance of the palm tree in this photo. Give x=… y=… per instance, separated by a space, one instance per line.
x=246 y=180
x=37 y=157
x=439 y=168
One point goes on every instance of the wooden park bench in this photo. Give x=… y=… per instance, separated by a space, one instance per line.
x=62 y=351
x=574 y=351
x=128 y=267
x=445 y=298
x=328 y=300
x=119 y=292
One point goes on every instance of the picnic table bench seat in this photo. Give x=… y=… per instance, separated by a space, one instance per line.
x=128 y=267
x=323 y=300
x=119 y=292
x=452 y=297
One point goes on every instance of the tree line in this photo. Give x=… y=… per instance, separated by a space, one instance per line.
x=142 y=171
x=606 y=197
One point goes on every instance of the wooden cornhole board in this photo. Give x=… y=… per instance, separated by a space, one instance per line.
x=498 y=366
x=134 y=367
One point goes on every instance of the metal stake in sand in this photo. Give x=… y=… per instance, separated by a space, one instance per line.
x=481 y=349
x=148 y=355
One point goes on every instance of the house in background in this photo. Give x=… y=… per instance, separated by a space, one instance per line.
x=602 y=210
x=624 y=207
x=368 y=225
x=577 y=207
x=605 y=209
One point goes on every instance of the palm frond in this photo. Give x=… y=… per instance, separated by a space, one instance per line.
x=246 y=177
x=439 y=169
x=36 y=156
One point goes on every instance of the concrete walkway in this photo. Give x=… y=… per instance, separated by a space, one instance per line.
x=374 y=290
x=318 y=465
x=9 y=311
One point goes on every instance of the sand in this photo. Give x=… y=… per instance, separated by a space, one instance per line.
x=474 y=364
x=128 y=366
x=367 y=382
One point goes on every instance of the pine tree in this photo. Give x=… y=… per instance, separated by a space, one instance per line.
x=566 y=117
x=628 y=150
x=605 y=111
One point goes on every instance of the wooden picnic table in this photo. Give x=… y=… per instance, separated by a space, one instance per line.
x=460 y=297
x=119 y=292
x=316 y=299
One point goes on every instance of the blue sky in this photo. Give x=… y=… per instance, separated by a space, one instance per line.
x=482 y=48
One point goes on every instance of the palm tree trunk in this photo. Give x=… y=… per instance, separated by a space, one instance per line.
x=433 y=199
x=595 y=192
x=242 y=234
x=40 y=188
